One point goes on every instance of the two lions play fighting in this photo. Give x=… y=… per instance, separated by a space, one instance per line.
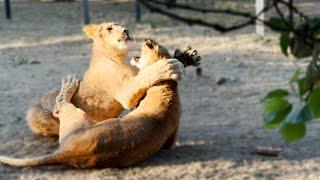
x=84 y=113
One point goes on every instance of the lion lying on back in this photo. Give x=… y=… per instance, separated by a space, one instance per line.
x=117 y=142
x=110 y=83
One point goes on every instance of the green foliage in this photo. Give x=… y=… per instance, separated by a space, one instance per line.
x=278 y=93
x=292 y=33
x=285 y=42
x=291 y=116
x=312 y=75
x=278 y=24
x=293 y=132
x=299 y=48
x=302 y=86
x=299 y=115
x=275 y=111
x=314 y=102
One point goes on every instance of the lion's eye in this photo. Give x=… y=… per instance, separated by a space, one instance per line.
x=149 y=45
x=136 y=58
x=109 y=28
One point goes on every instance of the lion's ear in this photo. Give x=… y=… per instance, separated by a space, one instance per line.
x=90 y=30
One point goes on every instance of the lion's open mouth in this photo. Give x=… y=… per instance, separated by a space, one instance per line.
x=125 y=37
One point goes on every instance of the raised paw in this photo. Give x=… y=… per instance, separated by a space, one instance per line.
x=69 y=87
x=170 y=69
x=188 y=57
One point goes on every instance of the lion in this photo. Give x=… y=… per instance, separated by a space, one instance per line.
x=116 y=142
x=109 y=85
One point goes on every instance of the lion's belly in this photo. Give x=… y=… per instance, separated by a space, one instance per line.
x=108 y=109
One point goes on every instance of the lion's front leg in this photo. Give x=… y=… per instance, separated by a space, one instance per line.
x=136 y=87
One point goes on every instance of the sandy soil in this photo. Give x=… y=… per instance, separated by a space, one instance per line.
x=220 y=124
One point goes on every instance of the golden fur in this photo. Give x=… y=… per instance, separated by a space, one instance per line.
x=109 y=84
x=117 y=142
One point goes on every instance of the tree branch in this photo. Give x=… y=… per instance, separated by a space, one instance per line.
x=202 y=10
x=290 y=26
x=223 y=29
x=291 y=7
x=158 y=7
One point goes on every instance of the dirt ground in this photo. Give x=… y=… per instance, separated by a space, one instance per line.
x=220 y=124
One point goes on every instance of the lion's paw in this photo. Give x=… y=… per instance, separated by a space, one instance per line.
x=69 y=87
x=188 y=57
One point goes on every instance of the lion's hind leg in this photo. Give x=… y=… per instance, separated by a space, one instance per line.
x=171 y=141
x=42 y=122
x=70 y=117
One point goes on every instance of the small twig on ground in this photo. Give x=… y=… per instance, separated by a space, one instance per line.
x=267 y=151
x=35 y=62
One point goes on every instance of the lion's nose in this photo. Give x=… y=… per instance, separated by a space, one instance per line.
x=126 y=34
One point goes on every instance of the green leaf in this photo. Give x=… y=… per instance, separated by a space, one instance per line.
x=277 y=24
x=293 y=132
x=295 y=76
x=312 y=75
x=314 y=102
x=275 y=111
x=300 y=114
x=294 y=125
x=314 y=26
x=278 y=93
x=300 y=49
x=284 y=42
x=302 y=86
x=309 y=28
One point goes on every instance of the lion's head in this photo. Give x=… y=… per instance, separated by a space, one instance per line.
x=151 y=52
x=109 y=35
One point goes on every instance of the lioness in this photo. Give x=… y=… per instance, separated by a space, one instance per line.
x=110 y=83
x=117 y=142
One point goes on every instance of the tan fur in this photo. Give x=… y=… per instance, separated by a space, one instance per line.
x=109 y=84
x=117 y=142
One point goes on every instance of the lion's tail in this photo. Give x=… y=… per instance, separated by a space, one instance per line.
x=38 y=161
